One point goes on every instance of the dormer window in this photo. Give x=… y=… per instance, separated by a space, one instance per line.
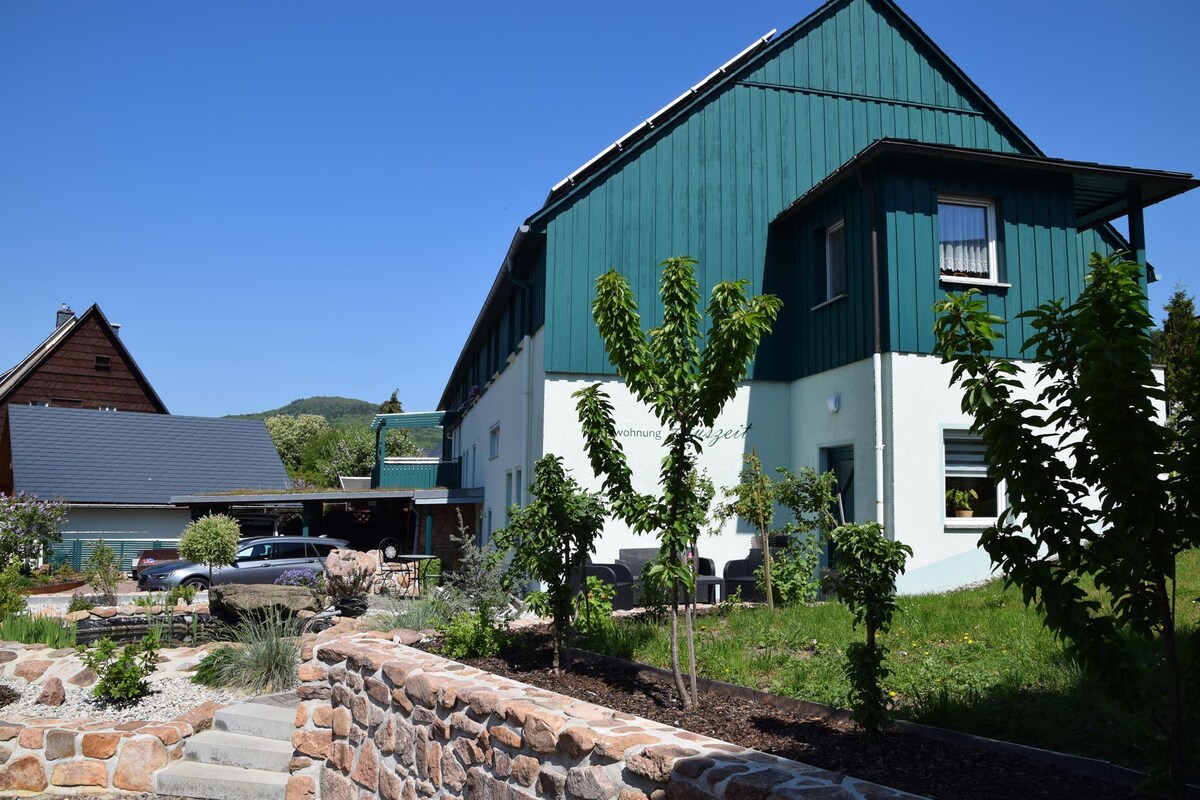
x=967 y=240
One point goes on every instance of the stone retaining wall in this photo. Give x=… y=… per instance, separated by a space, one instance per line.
x=381 y=720
x=87 y=756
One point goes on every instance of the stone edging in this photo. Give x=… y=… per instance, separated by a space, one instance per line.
x=378 y=719
x=63 y=757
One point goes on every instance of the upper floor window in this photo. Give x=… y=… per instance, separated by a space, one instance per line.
x=494 y=442
x=103 y=364
x=967 y=239
x=835 y=261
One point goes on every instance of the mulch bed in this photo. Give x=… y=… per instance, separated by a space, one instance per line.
x=913 y=764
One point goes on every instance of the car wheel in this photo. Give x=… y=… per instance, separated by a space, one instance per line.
x=201 y=584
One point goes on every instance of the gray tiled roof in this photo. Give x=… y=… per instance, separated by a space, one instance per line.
x=85 y=456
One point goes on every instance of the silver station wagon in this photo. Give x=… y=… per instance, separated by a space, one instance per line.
x=259 y=560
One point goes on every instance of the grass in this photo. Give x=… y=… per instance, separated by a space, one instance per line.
x=22 y=627
x=974 y=660
x=263 y=657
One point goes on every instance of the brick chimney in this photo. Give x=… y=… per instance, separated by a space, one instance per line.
x=64 y=315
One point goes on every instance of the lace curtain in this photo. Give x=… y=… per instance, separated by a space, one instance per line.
x=963 y=240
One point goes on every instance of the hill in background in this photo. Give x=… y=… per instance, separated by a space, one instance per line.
x=341 y=411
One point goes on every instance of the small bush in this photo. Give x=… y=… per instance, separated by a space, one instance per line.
x=594 y=607
x=12 y=599
x=185 y=593
x=471 y=636
x=80 y=602
x=794 y=572
x=264 y=655
x=652 y=594
x=103 y=572
x=122 y=673
x=349 y=592
x=50 y=631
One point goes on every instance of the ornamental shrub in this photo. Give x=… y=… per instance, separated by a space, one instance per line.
x=298 y=577
x=122 y=673
x=12 y=599
x=594 y=607
x=211 y=540
x=28 y=526
x=471 y=635
x=103 y=572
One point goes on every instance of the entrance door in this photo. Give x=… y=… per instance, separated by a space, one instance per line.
x=840 y=461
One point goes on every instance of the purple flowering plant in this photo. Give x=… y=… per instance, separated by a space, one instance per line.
x=298 y=577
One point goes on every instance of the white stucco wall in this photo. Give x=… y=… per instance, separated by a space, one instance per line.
x=756 y=418
x=815 y=428
x=512 y=400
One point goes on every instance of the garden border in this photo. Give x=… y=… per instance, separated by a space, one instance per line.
x=1079 y=765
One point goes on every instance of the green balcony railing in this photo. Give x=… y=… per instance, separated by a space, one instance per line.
x=417 y=473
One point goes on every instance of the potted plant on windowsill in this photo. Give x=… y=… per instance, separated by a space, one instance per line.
x=959 y=501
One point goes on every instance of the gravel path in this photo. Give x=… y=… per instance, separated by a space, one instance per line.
x=169 y=697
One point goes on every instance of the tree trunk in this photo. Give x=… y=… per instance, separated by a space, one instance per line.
x=676 y=670
x=691 y=636
x=1176 y=758
x=766 y=546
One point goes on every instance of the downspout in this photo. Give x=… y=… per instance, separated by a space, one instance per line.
x=877 y=357
x=527 y=367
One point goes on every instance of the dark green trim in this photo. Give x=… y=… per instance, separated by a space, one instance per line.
x=870 y=98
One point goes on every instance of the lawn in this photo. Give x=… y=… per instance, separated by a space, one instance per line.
x=974 y=660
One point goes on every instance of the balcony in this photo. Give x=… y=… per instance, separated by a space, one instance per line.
x=417 y=473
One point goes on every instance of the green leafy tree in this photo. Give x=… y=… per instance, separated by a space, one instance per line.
x=349 y=450
x=686 y=378
x=28 y=526
x=810 y=496
x=292 y=436
x=552 y=536
x=1095 y=405
x=865 y=580
x=211 y=540
x=1179 y=348
x=392 y=405
x=753 y=499
x=103 y=571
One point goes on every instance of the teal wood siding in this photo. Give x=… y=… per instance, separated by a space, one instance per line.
x=709 y=183
x=1037 y=254
x=839 y=332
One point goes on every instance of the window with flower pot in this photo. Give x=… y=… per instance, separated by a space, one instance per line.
x=971 y=493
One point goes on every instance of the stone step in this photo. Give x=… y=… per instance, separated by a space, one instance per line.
x=193 y=779
x=256 y=719
x=239 y=750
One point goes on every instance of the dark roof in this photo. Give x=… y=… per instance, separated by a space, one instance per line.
x=85 y=456
x=1102 y=191
x=16 y=375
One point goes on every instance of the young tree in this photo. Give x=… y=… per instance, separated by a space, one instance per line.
x=1179 y=346
x=349 y=450
x=754 y=501
x=292 y=435
x=1096 y=406
x=686 y=385
x=865 y=580
x=28 y=526
x=392 y=405
x=810 y=496
x=552 y=536
x=211 y=540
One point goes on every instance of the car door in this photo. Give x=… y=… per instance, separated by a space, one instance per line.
x=252 y=564
x=286 y=555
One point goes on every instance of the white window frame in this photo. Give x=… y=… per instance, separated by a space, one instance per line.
x=519 y=489
x=494 y=441
x=989 y=207
x=832 y=228
x=973 y=522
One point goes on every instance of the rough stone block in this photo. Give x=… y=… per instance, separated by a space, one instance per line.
x=80 y=773
x=336 y=787
x=100 y=745
x=341 y=722
x=314 y=743
x=25 y=773
x=541 y=730
x=53 y=693
x=322 y=716
x=591 y=783
x=454 y=777
x=577 y=741
x=312 y=672
x=341 y=756
x=366 y=770
x=655 y=762
x=755 y=785
x=378 y=691
x=506 y=736
x=139 y=759
x=32 y=738
x=552 y=781
x=32 y=669
x=59 y=744
x=692 y=767
x=615 y=747
x=300 y=787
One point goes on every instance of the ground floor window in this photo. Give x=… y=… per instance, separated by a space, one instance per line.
x=970 y=490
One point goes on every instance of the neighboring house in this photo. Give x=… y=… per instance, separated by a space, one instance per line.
x=117 y=472
x=850 y=167
x=82 y=364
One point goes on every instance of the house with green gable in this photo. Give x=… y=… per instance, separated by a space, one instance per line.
x=850 y=167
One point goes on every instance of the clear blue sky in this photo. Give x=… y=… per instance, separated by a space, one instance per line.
x=284 y=199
